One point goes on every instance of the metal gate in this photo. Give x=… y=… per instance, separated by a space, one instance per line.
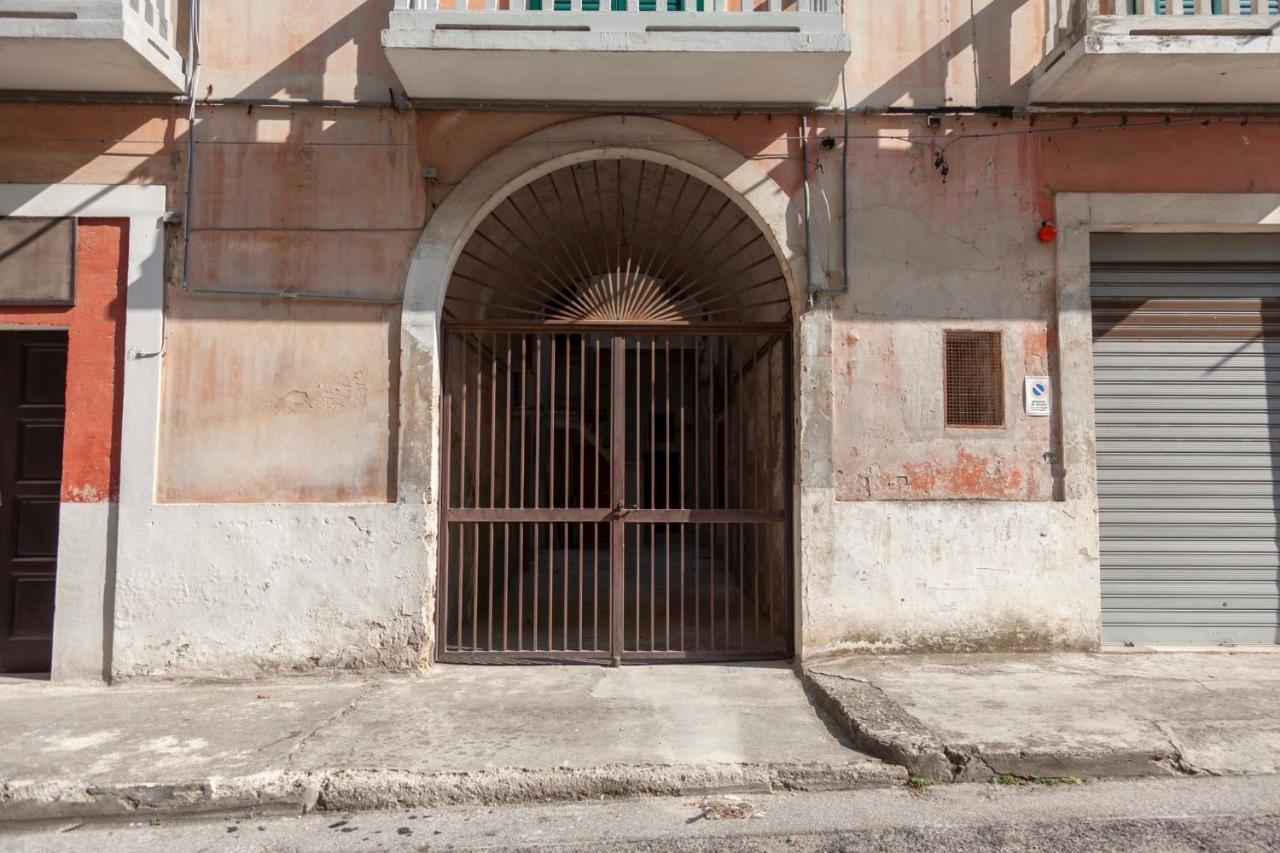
x=615 y=493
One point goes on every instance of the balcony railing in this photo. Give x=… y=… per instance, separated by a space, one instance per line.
x=1183 y=8
x=1172 y=52
x=628 y=7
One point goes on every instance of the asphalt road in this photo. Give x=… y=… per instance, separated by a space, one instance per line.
x=1198 y=814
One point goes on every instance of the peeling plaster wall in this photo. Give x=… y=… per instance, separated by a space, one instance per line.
x=931 y=255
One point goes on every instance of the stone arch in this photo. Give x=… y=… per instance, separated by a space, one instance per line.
x=739 y=177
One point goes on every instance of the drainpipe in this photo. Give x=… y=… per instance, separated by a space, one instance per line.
x=808 y=236
x=815 y=292
x=193 y=78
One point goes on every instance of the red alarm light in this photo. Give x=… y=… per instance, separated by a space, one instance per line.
x=1048 y=232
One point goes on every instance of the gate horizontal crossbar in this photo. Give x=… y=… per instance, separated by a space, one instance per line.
x=631 y=516
x=552 y=327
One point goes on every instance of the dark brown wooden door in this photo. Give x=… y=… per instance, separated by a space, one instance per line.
x=33 y=371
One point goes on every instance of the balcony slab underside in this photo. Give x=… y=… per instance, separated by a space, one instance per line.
x=79 y=46
x=1165 y=61
x=593 y=57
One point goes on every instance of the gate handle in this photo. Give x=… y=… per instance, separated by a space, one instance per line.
x=620 y=509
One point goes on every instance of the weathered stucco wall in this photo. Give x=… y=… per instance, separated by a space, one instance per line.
x=911 y=535
x=271 y=400
x=931 y=254
x=906 y=53
x=327 y=50
x=943 y=53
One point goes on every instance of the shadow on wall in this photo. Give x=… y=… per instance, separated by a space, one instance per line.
x=309 y=69
x=988 y=32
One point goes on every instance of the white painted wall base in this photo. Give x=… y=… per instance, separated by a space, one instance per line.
x=86 y=566
x=243 y=590
x=951 y=576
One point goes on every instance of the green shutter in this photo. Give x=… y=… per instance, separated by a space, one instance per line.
x=615 y=5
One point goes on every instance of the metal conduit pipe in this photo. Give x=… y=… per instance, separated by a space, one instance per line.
x=844 y=207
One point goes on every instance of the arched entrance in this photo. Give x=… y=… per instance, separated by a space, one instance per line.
x=616 y=426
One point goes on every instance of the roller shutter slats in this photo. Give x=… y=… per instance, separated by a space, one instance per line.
x=1187 y=406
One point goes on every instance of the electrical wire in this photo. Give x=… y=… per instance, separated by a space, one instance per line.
x=951 y=139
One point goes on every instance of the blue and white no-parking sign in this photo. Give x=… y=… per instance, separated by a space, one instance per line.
x=1039 y=395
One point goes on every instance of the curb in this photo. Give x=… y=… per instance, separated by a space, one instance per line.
x=881 y=727
x=298 y=792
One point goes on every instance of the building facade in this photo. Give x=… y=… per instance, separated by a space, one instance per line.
x=364 y=334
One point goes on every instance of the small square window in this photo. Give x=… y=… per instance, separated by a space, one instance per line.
x=974 y=379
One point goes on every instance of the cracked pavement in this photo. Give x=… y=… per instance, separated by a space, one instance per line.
x=1086 y=715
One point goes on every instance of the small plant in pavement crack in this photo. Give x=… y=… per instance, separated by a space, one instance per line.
x=1047 y=781
x=920 y=783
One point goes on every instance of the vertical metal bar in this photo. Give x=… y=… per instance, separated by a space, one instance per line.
x=446 y=498
x=506 y=502
x=769 y=498
x=506 y=582
x=462 y=486
x=788 y=450
x=724 y=392
x=697 y=492
x=492 y=463
x=683 y=366
x=493 y=412
x=653 y=491
x=639 y=481
x=565 y=584
x=595 y=568
x=755 y=582
x=618 y=474
x=725 y=463
x=524 y=465
x=462 y=440
x=551 y=431
x=462 y=579
x=666 y=490
x=742 y=585
x=582 y=474
x=475 y=585
x=479 y=439
x=536 y=482
x=551 y=497
x=520 y=590
x=742 y=452
x=566 y=501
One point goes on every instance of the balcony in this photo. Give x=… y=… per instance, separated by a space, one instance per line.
x=1171 y=52
x=661 y=52
x=121 y=46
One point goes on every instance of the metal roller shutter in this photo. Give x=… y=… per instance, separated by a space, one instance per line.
x=1186 y=333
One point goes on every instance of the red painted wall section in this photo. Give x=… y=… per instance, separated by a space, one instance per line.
x=95 y=359
x=1211 y=155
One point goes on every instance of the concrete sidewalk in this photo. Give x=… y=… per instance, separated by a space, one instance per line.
x=480 y=735
x=455 y=735
x=969 y=717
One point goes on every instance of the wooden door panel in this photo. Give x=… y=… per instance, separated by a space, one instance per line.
x=32 y=417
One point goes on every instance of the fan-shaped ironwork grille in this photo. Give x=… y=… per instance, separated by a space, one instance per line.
x=618 y=241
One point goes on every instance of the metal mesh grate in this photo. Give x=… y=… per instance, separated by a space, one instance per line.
x=974 y=380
